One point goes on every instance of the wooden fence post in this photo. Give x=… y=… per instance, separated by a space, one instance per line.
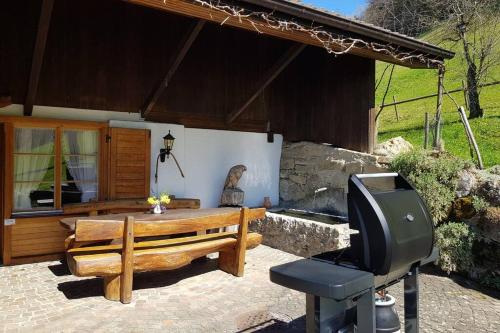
x=395 y=107
x=426 y=130
x=437 y=130
x=372 y=130
x=470 y=136
x=466 y=97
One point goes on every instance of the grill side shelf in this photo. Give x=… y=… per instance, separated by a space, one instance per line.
x=319 y=278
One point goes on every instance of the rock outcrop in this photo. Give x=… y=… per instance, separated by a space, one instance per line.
x=307 y=167
x=389 y=149
x=488 y=187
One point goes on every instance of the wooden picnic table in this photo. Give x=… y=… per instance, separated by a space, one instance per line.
x=131 y=243
x=173 y=215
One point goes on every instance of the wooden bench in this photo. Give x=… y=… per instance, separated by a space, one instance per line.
x=116 y=263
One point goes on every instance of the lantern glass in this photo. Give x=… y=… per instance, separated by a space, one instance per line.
x=168 y=140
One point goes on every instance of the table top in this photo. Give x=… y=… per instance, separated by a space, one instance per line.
x=170 y=214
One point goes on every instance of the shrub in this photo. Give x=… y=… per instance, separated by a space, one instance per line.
x=455 y=241
x=434 y=176
x=479 y=204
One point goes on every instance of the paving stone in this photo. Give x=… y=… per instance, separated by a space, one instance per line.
x=201 y=298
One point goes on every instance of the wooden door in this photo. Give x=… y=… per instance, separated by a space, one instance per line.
x=129 y=163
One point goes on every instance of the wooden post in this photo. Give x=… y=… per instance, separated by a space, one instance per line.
x=426 y=130
x=437 y=130
x=38 y=53
x=470 y=135
x=395 y=107
x=466 y=97
x=372 y=130
x=8 y=187
x=127 y=261
x=241 y=244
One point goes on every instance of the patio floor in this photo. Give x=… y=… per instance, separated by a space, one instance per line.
x=44 y=297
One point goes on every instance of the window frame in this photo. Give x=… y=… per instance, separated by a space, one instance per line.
x=12 y=122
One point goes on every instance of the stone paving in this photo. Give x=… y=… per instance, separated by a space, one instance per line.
x=45 y=298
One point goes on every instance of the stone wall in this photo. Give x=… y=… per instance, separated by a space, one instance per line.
x=301 y=237
x=306 y=167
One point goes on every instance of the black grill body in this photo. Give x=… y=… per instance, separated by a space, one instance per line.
x=395 y=228
x=394 y=237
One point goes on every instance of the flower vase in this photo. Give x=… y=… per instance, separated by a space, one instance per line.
x=157 y=209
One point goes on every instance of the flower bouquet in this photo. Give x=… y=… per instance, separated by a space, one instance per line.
x=159 y=203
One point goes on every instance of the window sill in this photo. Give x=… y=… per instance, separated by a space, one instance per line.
x=37 y=213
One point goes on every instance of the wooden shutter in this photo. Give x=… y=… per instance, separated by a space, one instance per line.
x=129 y=163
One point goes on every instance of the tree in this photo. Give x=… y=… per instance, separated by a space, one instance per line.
x=474 y=24
x=409 y=17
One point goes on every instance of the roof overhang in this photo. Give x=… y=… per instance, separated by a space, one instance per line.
x=414 y=53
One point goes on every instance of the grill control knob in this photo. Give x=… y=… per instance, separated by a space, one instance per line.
x=410 y=218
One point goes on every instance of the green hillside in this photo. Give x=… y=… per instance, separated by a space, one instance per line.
x=408 y=83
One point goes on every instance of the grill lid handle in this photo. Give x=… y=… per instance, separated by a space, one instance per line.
x=377 y=175
x=399 y=181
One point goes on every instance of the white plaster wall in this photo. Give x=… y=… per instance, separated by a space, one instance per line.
x=204 y=155
x=211 y=153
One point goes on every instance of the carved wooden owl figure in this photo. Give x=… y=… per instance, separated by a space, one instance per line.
x=234 y=176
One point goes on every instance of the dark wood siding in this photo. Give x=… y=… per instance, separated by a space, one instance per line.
x=327 y=99
x=109 y=55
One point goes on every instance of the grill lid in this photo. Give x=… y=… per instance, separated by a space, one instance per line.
x=395 y=228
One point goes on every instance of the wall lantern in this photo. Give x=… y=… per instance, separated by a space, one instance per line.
x=168 y=141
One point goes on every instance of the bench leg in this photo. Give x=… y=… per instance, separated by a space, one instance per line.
x=226 y=262
x=127 y=275
x=233 y=261
x=112 y=287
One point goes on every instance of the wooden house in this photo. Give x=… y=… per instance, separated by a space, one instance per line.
x=89 y=88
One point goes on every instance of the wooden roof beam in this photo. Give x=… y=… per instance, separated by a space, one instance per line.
x=180 y=54
x=187 y=8
x=38 y=53
x=273 y=73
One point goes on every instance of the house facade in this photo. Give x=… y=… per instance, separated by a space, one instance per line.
x=89 y=88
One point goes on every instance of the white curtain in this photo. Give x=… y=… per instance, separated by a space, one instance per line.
x=80 y=153
x=30 y=170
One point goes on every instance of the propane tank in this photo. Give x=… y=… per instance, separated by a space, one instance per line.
x=387 y=320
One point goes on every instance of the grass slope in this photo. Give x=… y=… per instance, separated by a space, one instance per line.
x=407 y=83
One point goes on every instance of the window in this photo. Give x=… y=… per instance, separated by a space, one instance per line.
x=54 y=166
x=79 y=171
x=34 y=168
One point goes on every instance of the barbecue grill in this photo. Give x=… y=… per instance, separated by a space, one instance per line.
x=392 y=238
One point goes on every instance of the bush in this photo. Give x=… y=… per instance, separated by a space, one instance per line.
x=455 y=241
x=480 y=204
x=434 y=176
